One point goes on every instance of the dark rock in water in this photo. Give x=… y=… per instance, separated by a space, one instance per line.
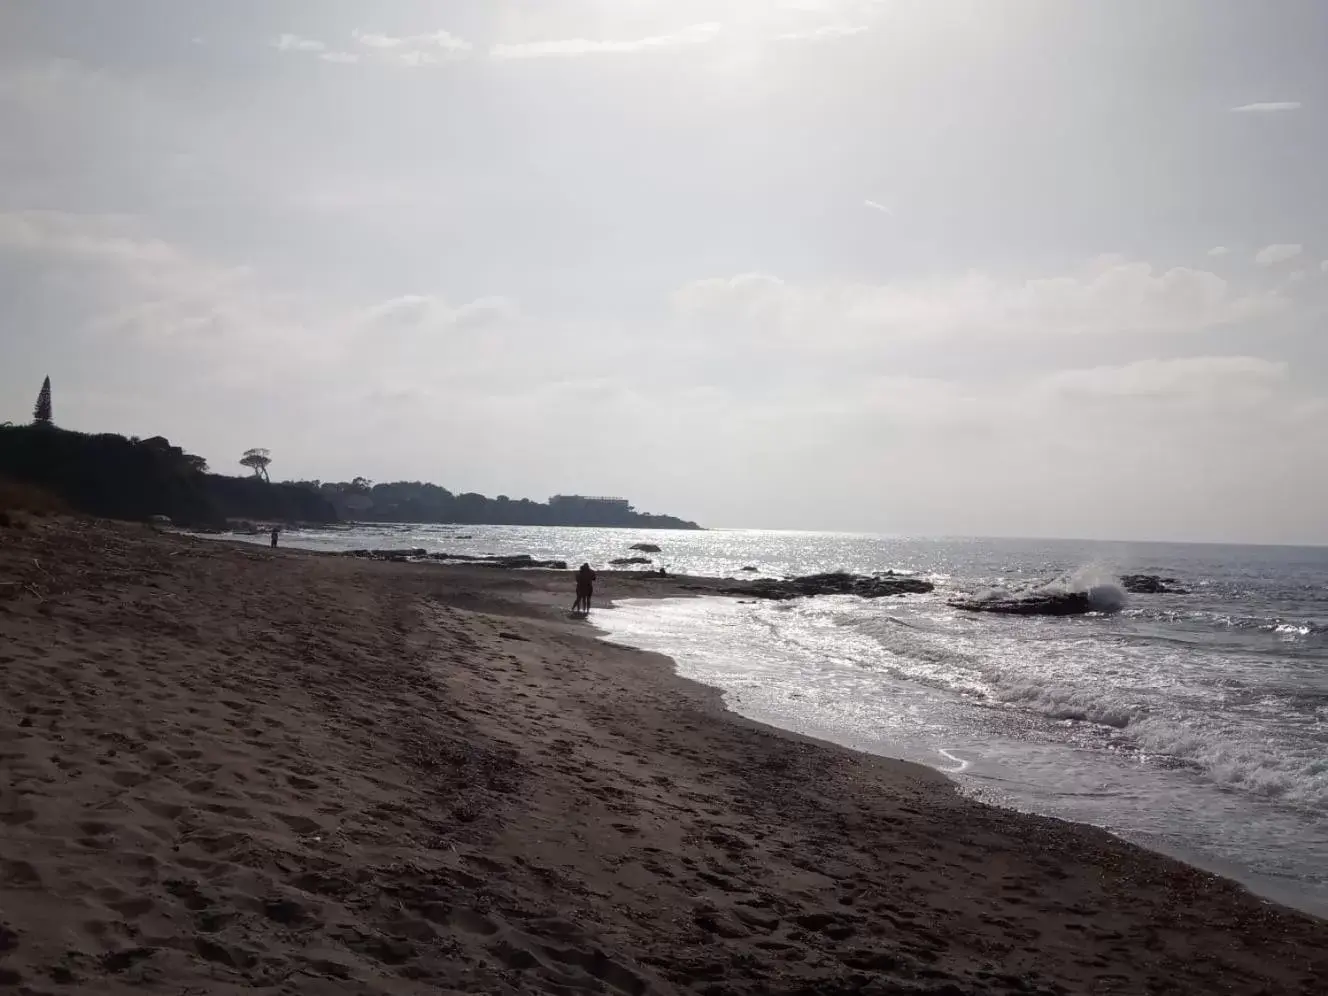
x=837 y=583
x=624 y=561
x=395 y=556
x=644 y=547
x=1045 y=603
x=1151 y=584
x=519 y=561
x=1072 y=603
x=748 y=569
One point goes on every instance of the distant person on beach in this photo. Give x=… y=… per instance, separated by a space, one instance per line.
x=274 y=537
x=585 y=587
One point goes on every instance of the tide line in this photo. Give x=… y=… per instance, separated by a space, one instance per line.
x=963 y=765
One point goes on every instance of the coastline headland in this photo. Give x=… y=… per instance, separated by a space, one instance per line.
x=105 y=474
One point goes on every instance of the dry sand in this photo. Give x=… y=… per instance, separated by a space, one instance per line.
x=234 y=770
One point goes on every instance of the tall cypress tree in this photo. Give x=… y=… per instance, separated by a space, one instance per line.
x=41 y=412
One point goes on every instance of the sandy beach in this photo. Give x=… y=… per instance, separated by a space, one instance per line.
x=229 y=769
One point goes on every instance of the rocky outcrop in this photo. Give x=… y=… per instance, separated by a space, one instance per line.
x=838 y=583
x=398 y=556
x=522 y=561
x=644 y=547
x=1151 y=584
x=1045 y=602
x=625 y=561
x=1069 y=603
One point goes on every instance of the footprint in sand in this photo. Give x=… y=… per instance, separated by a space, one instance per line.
x=300 y=824
x=20 y=875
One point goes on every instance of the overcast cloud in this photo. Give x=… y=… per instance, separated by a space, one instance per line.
x=920 y=267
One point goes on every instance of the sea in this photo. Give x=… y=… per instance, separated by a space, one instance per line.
x=1193 y=724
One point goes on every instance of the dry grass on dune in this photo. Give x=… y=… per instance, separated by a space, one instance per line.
x=19 y=501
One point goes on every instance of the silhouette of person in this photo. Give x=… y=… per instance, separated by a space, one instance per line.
x=274 y=537
x=585 y=588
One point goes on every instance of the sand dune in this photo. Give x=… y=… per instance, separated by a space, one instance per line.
x=234 y=770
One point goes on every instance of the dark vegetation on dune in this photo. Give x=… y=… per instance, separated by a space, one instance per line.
x=115 y=477
x=361 y=500
x=118 y=478
x=127 y=478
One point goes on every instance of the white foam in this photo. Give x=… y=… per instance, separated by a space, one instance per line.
x=1240 y=764
x=1131 y=733
x=1101 y=586
x=1068 y=702
x=960 y=764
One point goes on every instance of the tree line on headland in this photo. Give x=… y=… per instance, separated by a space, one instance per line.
x=107 y=475
x=116 y=477
x=361 y=500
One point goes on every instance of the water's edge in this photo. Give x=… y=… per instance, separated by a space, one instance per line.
x=1257 y=886
x=1192 y=724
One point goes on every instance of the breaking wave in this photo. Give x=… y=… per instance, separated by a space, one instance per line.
x=1166 y=707
x=1228 y=757
x=1067 y=703
x=1295 y=779
x=1103 y=589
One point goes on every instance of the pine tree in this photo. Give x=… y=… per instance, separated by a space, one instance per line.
x=257 y=460
x=41 y=412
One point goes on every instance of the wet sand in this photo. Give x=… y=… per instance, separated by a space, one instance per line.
x=229 y=769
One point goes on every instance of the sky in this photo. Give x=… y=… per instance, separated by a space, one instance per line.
x=1001 y=267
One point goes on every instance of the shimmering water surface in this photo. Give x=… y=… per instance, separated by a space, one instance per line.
x=1196 y=724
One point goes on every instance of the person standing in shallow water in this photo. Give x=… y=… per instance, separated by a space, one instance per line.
x=585 y=587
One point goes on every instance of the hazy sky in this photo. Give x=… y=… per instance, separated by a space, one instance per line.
x=1030 y=267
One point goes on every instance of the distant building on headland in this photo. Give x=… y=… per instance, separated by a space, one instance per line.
x=597 y=510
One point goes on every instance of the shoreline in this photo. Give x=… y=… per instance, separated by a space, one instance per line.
x=236 y=768
x=1261 y=887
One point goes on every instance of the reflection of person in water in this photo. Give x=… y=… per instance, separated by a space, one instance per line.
x=585 y=587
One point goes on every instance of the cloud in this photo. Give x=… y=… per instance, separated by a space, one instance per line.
x=140 y=292
x=440 y=41
x=99 y=238
x=877 y=206
x=1279 y=252
x=1109 y=297
x=1219 y=251
x=425 y=49
x=1267 y=107
x=423 y=312
x=824 y=33
x=570 y=47
x=1174 y=430
x=229 y=326
x=1186 y=380
x=294 y=43
x=418 y=57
